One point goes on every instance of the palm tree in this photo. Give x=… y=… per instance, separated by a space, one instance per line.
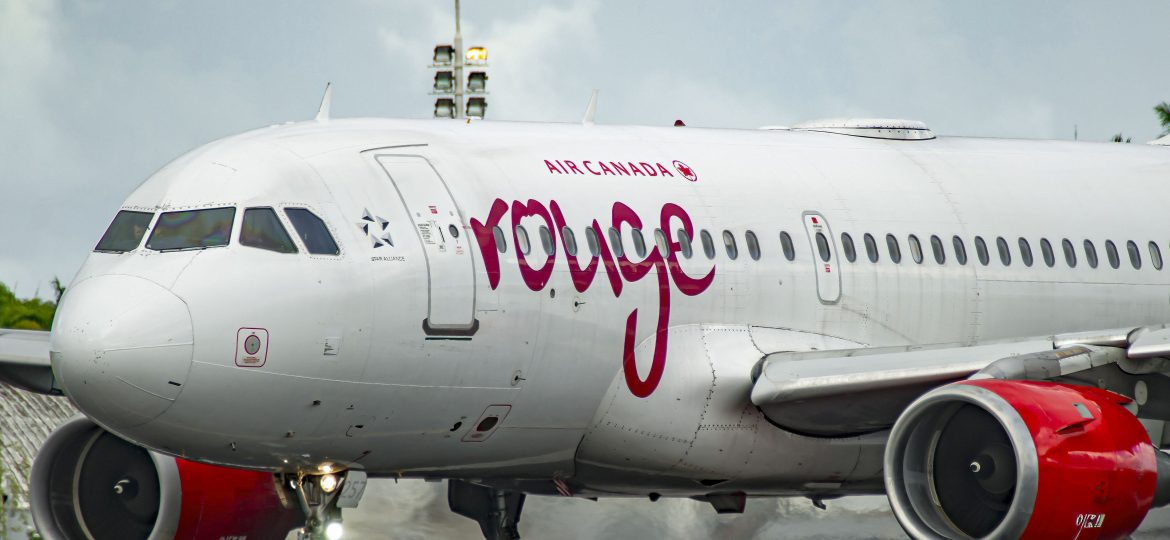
x=1163 y=111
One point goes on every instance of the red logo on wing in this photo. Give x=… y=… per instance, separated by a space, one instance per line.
x=686 y=171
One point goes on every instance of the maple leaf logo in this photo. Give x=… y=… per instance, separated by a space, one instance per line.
x=686 y=171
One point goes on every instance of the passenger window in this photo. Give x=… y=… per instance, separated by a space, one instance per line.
x=125 y=232
x=1135 y=255
x=871 y=250
x=522 y=243
x=312 y=231
x=823 y=247
x=894 y=249
x=192 y=229
x=1005 y=253
x=591 y=241
x=1091 y=253
x=570 y=241
x=753 y=245
x=708 y=244
x=1111 y=252
x=981 y=251
x=498 y=236
x=639 y=242
x=660 y=241
x=262 y=229
x=684 y=243
x=729 y=243
x=936 y=246
x=960 y=250
x=915 y=249
x=786 y=246
x=1070 y=253
x=546 y=241
x=1046 y=251
x=847 y=247
x=1155 y=256
x=615 y=241
x=1025 y=252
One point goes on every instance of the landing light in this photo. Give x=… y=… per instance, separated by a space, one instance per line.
x=328 y=483
x=333 y=530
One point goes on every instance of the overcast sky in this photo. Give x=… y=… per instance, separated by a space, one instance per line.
x=95 y=96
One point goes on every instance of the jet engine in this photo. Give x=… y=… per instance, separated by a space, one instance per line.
x=89 y=484
x=1016 y=459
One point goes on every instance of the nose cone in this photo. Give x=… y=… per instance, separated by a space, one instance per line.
x=121 y=348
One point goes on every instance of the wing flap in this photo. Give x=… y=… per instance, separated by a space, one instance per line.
x=849 y=391
x=862 y=390
x=24 y=361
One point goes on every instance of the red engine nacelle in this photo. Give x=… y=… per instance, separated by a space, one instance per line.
x=89 y=484
x=1019 y=459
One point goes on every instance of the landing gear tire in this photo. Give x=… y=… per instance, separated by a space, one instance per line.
x=318 y=496
x=496 y=511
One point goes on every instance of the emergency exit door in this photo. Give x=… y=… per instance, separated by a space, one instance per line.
x=824 y=255
x=439 y=229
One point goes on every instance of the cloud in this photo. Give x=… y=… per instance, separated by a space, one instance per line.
x=27 y=48
x=30 y=64
x=542 y=60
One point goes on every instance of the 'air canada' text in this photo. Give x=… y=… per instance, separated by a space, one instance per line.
x=620 y=168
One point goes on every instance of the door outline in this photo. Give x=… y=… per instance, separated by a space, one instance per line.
x=472 y=327
x=828 y=274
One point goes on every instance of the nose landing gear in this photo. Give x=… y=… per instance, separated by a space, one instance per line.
x=321 y=497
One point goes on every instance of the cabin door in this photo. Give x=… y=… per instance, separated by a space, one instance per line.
x=439 y=227
x=824 y=255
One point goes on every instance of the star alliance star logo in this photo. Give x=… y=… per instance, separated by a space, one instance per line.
x=374 y=227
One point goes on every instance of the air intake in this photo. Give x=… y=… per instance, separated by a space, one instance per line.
x=873 y=128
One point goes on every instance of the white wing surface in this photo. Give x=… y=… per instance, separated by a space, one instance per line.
x=24 y=360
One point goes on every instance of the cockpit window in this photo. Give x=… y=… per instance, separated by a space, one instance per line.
x=312 y=231
x=262 y=229
x=192 y=229
x=125 y=232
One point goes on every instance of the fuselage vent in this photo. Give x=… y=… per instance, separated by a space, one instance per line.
x=874 y=128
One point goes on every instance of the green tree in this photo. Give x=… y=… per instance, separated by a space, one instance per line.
x=1163 y=111
x=31 y=314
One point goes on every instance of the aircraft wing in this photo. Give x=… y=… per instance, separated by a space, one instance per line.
x=24 y=361
x=861 y=390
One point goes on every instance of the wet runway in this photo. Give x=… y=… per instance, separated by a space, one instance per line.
x=414 y=509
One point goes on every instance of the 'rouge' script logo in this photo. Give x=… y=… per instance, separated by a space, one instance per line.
x=618 y=270
x=620 y=168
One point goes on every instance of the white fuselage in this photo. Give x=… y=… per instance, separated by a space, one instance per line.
x=388 y=356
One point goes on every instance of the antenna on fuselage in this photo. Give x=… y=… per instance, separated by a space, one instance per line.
x=591 y=109
x=326 y=102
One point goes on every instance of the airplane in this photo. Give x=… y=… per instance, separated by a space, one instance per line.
x=975 y=328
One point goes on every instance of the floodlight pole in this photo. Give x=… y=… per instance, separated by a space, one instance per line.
x=458 y=65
